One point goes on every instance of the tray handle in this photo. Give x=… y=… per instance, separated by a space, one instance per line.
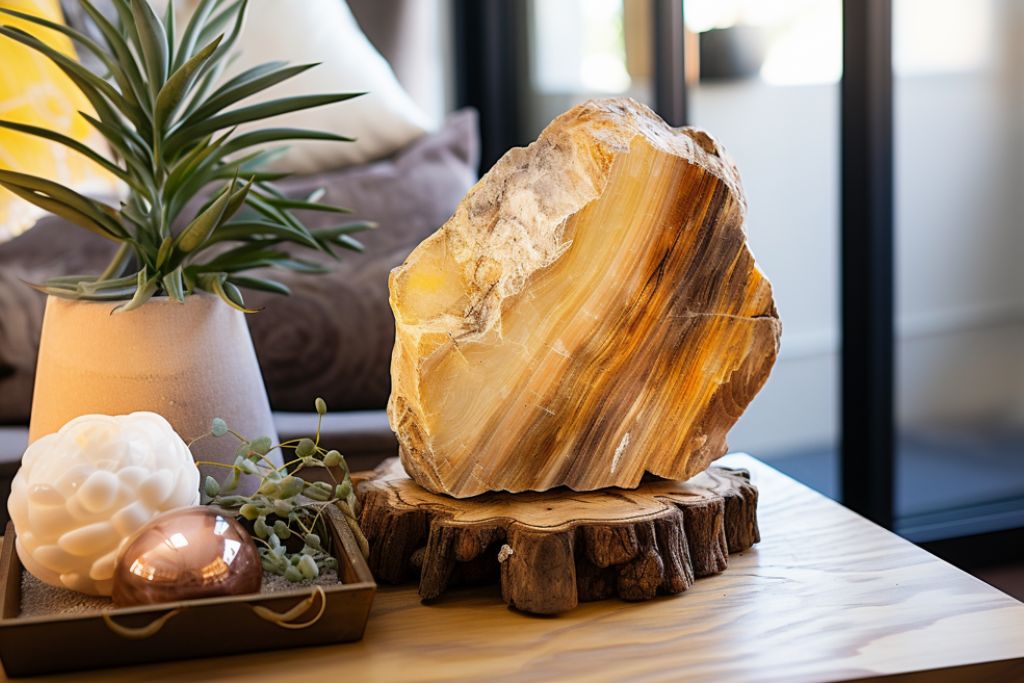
x=284 y=619
x=141 y=632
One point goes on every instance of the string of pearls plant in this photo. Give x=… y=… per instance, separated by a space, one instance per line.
x=286 y=513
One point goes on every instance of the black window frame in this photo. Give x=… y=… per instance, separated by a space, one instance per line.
x=491 y=50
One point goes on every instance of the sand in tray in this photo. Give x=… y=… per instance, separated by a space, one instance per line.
x=39 y=599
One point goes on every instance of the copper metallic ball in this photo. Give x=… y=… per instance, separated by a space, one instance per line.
x=195 y=552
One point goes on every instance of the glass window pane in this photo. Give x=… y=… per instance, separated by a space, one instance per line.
x=959 y=150
x=579 y=49
x=768 y=90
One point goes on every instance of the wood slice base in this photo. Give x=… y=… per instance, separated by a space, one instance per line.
x=554 y=549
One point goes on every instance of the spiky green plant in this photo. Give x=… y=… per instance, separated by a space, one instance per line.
x=171 y=125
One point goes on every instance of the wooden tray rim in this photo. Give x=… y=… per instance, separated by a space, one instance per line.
x=10 y=565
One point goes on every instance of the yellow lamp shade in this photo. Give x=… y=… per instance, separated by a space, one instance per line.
x=34 y=91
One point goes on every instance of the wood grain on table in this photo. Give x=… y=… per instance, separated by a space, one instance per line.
x=826 y=596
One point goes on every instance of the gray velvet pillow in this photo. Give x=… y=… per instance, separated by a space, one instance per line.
x=333 y=336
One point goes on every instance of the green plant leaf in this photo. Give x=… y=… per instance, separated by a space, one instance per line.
x=153 y=41
x=190 y=36
x=243 y=86
x=207 y=80
x=275 y=214
x=212 y=71
x=64 y=211
x=97 y=91
x=170 y=122
x=126 y=26
x=144 y=291
x=251 y=230
x=80 y=38
x=229 y=294
x=138 y=159
x=235 y=296
x=251 y=255
x=267 y=135
x=248 y=166
x=238 y=198
x=343 y=229
x=215 y=25
x=191 y=184
x=166 y=247
x=241 y=258
x=93 y=285
x=68 y=281
x=202 y=226
x=236 y=201
x=77 y=146
x=133 y=215
x=64 y=293
x=65 y=196
x=174 y=285
x=116 y=264
x=122 y=51
x=169 y=34
x=302 y=205
x=346 y=242
x=250 y=162
x=303 y=266
x=253 y=72
x=260 y=284
x=281 y=216
x=61 y=193
x=339 y=235
x=257 y=176
x=173 y=91
x=121 y=75
x=193 y=171
x=253 y=112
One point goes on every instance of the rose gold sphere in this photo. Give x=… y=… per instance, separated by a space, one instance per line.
x=194 y=552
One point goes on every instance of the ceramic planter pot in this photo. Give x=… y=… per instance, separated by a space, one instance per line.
x=189 y=362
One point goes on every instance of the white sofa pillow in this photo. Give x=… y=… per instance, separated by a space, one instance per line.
x=309 y=31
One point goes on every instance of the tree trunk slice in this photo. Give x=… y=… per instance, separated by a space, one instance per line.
x=554 y=549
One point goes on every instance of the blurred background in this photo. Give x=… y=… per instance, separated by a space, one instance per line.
x=765 y=77
x=881 y=144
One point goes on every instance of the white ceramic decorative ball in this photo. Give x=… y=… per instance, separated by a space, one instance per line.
x=83 y=491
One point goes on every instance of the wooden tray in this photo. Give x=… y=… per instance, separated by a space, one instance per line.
x=182 y=630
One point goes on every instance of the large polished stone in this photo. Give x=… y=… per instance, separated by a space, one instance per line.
x=589 y=314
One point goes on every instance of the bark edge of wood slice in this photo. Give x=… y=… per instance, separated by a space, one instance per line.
x=552 y=550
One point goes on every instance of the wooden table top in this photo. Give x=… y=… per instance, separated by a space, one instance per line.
x=826 y=596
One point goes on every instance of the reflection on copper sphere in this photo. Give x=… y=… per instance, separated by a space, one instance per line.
x=195 y=552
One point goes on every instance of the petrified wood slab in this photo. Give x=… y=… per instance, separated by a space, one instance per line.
x=553 y=549
x=589 y=314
